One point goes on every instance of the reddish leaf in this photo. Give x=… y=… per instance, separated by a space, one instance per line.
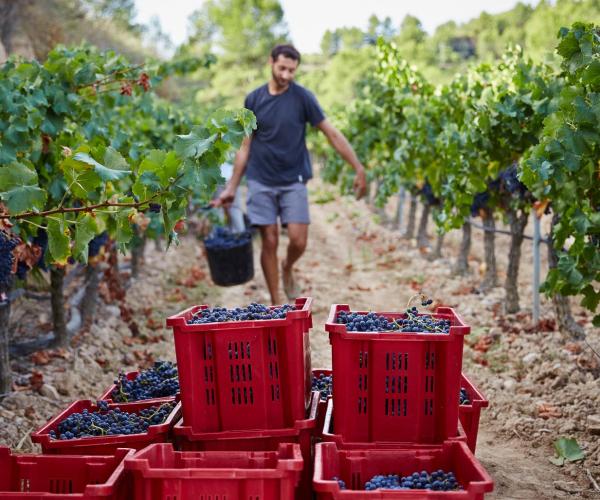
x=60 y=353
x=40 y=358
x=154 y=324
x=546 y=410
x=101 y=361
x=483 y=343
x=480 y=359
x=36 y=380
x=30 y=413
x=573 y=347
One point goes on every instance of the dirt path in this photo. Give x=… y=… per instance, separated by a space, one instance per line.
x=540 y=387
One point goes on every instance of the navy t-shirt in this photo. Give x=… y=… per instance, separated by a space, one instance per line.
x=278 y=153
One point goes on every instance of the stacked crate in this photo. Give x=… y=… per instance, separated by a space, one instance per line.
x=246 y=385
x=395 y=408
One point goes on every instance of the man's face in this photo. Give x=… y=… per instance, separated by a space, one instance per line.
x=283 y=70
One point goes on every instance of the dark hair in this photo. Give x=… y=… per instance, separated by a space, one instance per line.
x=285 y=51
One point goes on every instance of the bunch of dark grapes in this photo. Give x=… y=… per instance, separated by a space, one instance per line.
x=252 y=312
x=157 y=382
x=365 y=322
x=427 y=194
x=464 y=397
x=510 y=183
x=108 y=422
x=340 y=482
x=7 y=245
x=22 y=269
x=324 y=384
x=97 y=243
x=422 y=323
x=41 y=240
x=413 y=322
x=154 y=208
x=436 y=481
x=480 y=202
x=223 y=239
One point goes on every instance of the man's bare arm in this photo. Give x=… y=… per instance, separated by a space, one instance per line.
x=345 y=150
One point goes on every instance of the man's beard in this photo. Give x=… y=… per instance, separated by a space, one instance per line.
x=279 y=81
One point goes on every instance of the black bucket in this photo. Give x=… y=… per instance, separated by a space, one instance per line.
x=230 y=257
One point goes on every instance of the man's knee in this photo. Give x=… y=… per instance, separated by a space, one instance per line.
x=270 y=240
x=298 y=243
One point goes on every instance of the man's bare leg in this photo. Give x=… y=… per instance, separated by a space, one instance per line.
x=298 y=237
x=268 y=259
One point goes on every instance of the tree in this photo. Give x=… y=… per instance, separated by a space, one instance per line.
x=121 y=12
x=331 y=43
x=242 y=34
x=383 y=28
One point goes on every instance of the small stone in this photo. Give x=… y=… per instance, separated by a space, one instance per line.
x=568 y=427
x=113 y=311
x=49 y=391
x=593 y=424
x=497 y=383
x=509 y=384
x=129 y=359
x=559 y=382
x=567 y=486
x=530 y=358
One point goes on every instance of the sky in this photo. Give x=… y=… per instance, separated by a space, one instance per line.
x=308 y=20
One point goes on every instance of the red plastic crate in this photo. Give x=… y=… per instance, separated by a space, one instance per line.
x=400 y=387
x=322 y=403
x=302 y=433
x=469 y=414
x=327 y=434
x=106 y=396
x=243 y=375
x=159 y=472
x=356 y=467
x=103 y=445
x=65 y=477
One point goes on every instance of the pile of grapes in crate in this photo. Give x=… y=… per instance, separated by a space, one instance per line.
x=243 y=398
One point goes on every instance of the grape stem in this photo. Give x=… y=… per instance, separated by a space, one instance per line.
x=421 y=295
x=157 y=410
x=107 y=79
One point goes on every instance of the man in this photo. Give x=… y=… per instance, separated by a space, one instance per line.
x=277 y=166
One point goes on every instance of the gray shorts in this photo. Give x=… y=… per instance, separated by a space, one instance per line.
x=288 y=202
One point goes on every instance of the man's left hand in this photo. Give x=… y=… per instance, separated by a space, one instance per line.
x=360 y=183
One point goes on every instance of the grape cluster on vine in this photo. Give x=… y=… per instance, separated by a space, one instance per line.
x=7 y=259
x=254 y=311
x=96 y=243
x=157 y=382
x=108 y=422
x=509 y=182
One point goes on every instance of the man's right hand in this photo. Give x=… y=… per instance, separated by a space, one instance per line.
x=225 y=199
